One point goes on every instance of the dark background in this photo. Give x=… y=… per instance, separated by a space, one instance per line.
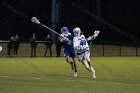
x=119 y=19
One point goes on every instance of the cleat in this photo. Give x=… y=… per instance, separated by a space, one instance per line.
x=75 y=74
x=93 y=76
x=93 y=72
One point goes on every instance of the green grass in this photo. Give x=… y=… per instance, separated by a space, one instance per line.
x=53 y=75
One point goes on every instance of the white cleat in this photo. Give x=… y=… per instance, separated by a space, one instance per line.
x=93 y=72
x=93 y=76
x=75 y=74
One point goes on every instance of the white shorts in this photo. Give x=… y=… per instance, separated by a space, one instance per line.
x=84 y=56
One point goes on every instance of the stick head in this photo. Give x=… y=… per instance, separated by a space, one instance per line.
x=35 y=20
x=96 y=33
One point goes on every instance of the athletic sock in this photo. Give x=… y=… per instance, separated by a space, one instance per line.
x=72 y=65
x=92 y=71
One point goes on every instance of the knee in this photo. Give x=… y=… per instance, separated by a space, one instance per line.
x=85 y=63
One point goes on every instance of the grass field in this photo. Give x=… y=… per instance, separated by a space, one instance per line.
x=53 y=75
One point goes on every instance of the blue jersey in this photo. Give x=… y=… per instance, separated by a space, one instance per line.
x=67 y=45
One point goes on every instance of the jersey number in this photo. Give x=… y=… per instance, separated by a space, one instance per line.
x=83 y=42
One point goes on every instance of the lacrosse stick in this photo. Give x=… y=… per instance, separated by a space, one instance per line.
x=96 y=33
x=36 y=21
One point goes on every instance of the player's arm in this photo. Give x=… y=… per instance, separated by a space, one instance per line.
x=96 y=33
x=63 y=39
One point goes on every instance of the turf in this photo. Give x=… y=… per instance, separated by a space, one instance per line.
x=53 y=75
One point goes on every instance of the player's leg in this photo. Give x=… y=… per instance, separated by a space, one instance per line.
x=50 y=48
x=67 y=55
x=79 y=56
x=83 y=60
x=73 y=55
x=14 y=51
x=92 y=70
x=75 y=67
x=35 y=52
x=31 y=51
x=87 y=57
x=85 y=63
x=69 y=62
x=8 y=51
x=46 y=51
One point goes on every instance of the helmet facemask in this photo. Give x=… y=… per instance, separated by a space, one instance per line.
x=76 y=31
x=64 y=30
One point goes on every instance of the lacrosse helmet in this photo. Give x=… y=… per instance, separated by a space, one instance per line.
x=77 y=31
x=64 y=30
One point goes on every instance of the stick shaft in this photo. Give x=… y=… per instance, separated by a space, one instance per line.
x=50 y=29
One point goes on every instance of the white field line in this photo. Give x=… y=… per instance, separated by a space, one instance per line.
x=68 y=80
x=26 y=85
x=97 y=82
x=12 y=77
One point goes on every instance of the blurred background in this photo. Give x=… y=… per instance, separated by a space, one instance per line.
x=118 y=20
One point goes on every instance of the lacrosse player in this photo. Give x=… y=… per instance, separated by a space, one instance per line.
x=82 y=48
x=67 y=45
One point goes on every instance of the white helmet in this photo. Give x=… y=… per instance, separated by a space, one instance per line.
x=77 y=31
